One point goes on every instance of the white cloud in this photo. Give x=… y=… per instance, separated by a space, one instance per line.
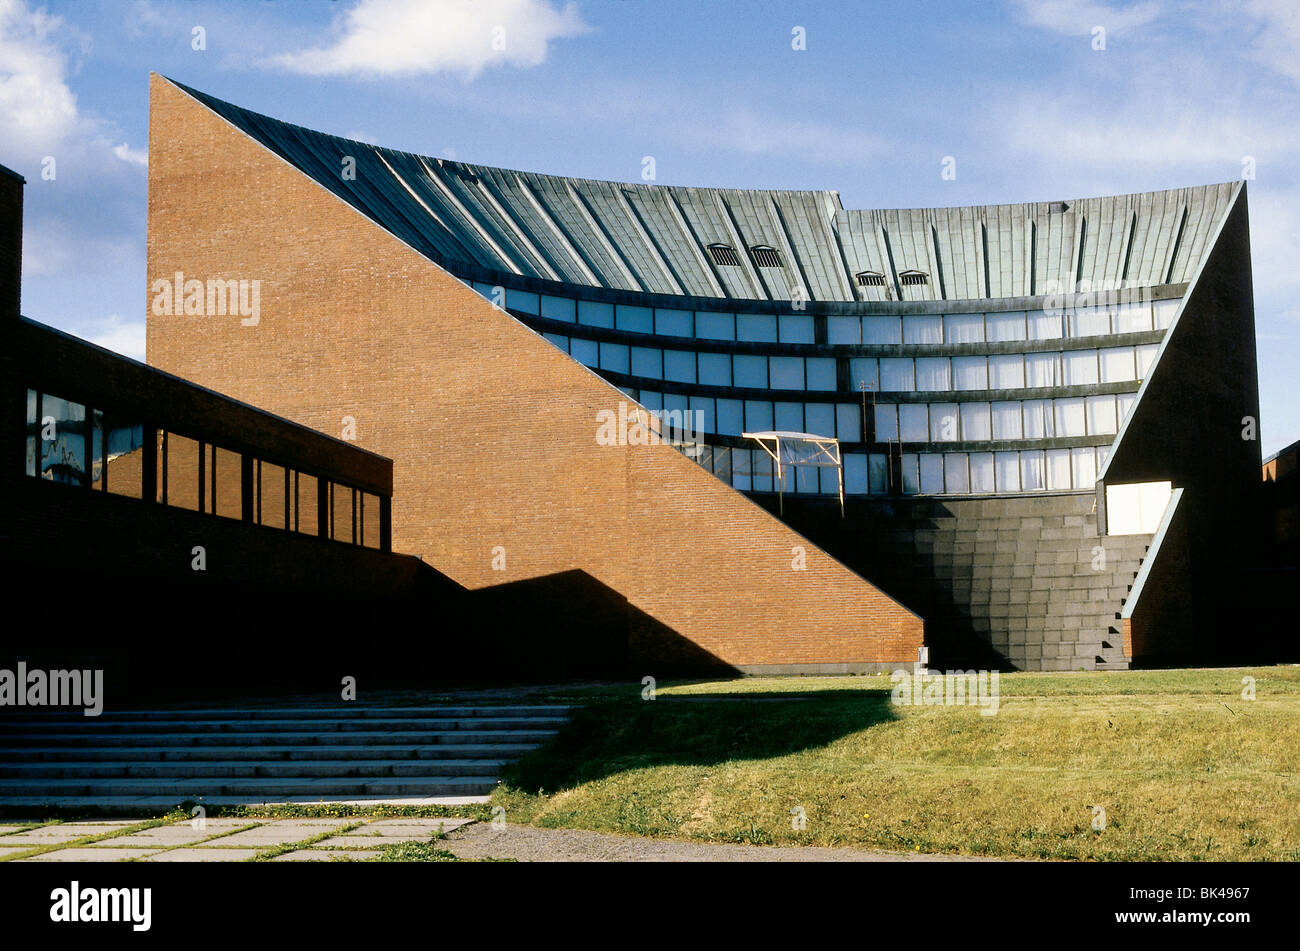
x=1079 y=17
x=413 y=37
x=131 y=156
x=118 y=334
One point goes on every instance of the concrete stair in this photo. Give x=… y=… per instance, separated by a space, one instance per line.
x=270 y=754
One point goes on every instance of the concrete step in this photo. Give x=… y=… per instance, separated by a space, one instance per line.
x=337 y=712
x=321 y=725
x=235 y=769
x=265 y=789
x=280 y=739
x=258 y=754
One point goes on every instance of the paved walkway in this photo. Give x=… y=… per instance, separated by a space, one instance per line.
x=359 y=838
x=216 y=840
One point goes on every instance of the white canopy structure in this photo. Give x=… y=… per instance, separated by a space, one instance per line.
x=800 y=449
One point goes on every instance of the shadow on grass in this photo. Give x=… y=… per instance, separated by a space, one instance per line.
x=613 y=736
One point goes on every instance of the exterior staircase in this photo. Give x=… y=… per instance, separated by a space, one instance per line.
x=341 y=752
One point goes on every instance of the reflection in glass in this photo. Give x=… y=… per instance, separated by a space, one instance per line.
x=63 y=441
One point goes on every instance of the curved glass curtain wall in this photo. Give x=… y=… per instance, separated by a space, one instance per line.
x=931 y=404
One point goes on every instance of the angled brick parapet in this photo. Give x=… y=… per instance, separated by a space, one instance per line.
x=499 y=477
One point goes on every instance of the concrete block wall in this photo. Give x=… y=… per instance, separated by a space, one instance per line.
x=1015 y=582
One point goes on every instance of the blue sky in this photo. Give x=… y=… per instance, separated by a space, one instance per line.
x=1183 y=92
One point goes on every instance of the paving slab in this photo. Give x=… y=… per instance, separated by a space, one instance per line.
x=89 y=855
x=12 y=850
x=362 y=841
x=203 y=855
x=181 y=833
x=279 y=832
x=65 y=832
x=325 y=855
x=410 y=827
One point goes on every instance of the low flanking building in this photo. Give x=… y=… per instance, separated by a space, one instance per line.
x=1044 y=415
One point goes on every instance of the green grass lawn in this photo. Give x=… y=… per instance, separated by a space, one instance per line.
x=1184 y=767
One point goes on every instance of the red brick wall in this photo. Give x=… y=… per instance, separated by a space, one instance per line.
x=492 y=430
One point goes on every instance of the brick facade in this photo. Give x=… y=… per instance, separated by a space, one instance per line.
x=492 y=430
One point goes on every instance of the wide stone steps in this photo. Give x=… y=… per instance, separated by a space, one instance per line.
x=266 y=754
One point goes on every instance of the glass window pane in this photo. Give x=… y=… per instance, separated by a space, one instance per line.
x=1080 y=367
x=731 y=418
x=882 y=330
x=1083 y=463
x=886 y=422
x=1133 y=318
x=674 y=323
x=1146 y=355
x=1007 y=371
x=1089 y=321
x=848 y=422
x=1005 y=326
x=789 y=417
x=931 y=473
x=956 y=472
x=558 y=308
x=614 y=356
x=1101 y=416
x=913 y=422
x=1042 y=369
x=225 y=483
x=922 y=329
x=97 y=450
x=368 y=518
x=63 y=441
x=715 y=368
x=647 y=362
x=975 y=424
x=1058 y=470
x=855 y=474
x=558 y=340
x=819 y=418
x=911 y=475
x=33 y=432
x=1008 y=471
x=969 y=373
x=758 y=327
x=1033 y=477
x=1006 y=421
x=943 y=422
x=651 y=399
x=1039 y=422
x=341 y=517
x=963 y=328
x=864 y=370
x=182 y=472
x=679 y=365
x=585 y=352
x=749 y=370
x=1117 y=365
x=763 y=470
x=1070 y=418
x=821 y=374
x=1123 y=403
x=758 y=416
x=844 y=330
x=522 y=301
x=1162 y=312
x=599 y=314
x=701 y=419
x=785 y=373
x=271 y=497
x=711 y=326
x=125 y=458
x=305 y=517
x=878 y=473
x=981 y=472
x=796 y=328
x=1044 y=325
x=896 y=375
x=932 y=373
